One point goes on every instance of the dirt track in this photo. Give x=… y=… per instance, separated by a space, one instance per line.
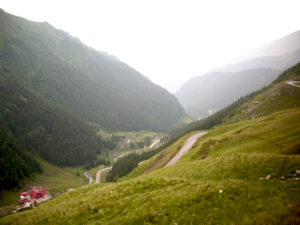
x=293 y=83
x=99 y=173
x=188 y=145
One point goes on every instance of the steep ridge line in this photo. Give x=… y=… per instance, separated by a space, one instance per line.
x=99 y=173
x=188 y=145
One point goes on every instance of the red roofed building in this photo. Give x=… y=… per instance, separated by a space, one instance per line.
x=36 y=194
x=23 y=194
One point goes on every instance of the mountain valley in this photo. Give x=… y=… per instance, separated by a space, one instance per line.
x=248 y=176
x=224 y=149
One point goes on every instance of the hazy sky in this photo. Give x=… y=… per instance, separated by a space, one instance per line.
x=167 y=41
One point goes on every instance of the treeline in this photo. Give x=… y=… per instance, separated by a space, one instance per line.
x=100 y=161
x=141 y=144
x=109 y=143
x=127 y=163
x=15 y=163
x=31 y=126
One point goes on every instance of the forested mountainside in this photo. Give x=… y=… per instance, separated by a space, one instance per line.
x=69 y=74
x=217 y=90
x=281 y=62
x=30 y=126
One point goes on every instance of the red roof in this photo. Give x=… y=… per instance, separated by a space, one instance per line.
x=23 y=200
x=23 y=194
x=36 y=194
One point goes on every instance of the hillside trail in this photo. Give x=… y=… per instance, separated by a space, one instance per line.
x=187 y=146
x=99 y=174
x=154 y=143
x=292 y=83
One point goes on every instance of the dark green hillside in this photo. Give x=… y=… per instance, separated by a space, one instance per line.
x=31 y=126
x=217 y=90
x=16 y=164
x=82 y=81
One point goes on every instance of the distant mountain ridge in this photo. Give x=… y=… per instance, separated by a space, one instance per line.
x=282 y=46
x=276 y=56
x=275 y=62
x=217 y=90
x=82 y=81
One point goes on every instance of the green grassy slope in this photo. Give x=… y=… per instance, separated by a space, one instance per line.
x=169 y=201
x=264 y=137
x=246 y=150
x=189 y=192
x=158 y=161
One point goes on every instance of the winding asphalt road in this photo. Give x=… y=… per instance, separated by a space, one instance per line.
x=120 y=156
x=292 y=83
x=154 y=143
x=188 y=145
x=99 y=173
